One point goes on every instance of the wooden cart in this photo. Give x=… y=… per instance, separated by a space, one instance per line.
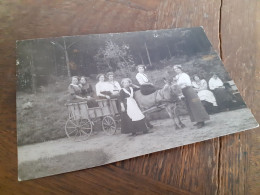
x=79 y=125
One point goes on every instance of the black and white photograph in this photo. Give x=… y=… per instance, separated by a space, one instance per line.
x=90 y=100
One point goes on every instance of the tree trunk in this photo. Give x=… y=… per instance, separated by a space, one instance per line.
x=141 y=58
x=33 y=74
x=67 y=58
x=169 y=50
x=148 y=55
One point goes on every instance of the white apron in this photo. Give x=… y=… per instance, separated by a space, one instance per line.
x=133 y=110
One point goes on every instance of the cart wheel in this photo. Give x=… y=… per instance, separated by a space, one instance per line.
x=109 y=125
x=79 y=130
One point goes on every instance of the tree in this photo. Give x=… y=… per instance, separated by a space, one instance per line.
x=65 y=48
x=113 y=57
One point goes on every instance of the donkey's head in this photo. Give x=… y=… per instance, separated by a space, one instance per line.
x=171 y=91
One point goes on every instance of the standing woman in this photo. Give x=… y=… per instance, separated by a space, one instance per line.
x=195 y=108
x=102 y=88
x=146 y=86
x=132 y=118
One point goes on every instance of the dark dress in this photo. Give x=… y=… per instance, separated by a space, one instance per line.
x=147 y=89
x=74 y=90
x=87 y=91
x=224 y=97
x=127 y=125
x=195 y=108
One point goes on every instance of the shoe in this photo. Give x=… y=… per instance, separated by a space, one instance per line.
x=149 y=125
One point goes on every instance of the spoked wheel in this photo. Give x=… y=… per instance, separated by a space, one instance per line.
x=79 y=130
x=109 y=125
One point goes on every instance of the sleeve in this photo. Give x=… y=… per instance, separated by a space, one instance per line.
x=221 y=82
x=98 y=89
x=90 y=91
x=195 y=85
x=121 y=95
x=211 y=85
x=71 y=92
x=184 y=80
x=204 y=84
x=139 y=78
x=118 y=85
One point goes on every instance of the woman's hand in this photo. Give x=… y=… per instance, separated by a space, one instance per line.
x=122 y=108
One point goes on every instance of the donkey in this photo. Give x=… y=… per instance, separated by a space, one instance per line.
x=167 y=98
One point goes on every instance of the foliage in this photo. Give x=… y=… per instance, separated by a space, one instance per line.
x=113 y=57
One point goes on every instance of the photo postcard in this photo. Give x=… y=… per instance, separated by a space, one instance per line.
x=89 y=100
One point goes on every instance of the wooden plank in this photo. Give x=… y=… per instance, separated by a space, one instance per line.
x=239 y=156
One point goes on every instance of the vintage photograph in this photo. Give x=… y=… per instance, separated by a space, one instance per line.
x=89 y=100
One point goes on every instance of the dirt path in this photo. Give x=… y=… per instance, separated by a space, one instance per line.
x=163 y=136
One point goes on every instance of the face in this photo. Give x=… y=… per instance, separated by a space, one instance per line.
x=215 y=76
x=140 y=69
x=126 y=83
x=83 y=80
x=75 y=81
x=102 y=78
x=177 y=70
x=196 y=78
x=111 y=77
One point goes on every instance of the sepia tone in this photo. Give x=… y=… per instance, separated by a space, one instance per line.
x=226 y=165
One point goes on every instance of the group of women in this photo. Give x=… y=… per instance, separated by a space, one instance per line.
x=132 y=118
x=200 y=101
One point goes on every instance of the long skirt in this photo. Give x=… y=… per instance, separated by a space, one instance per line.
x=147 y=89
x=224 y=98
x=195 y=108
x=129 y=126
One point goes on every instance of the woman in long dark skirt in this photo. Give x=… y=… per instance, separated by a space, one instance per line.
x=195 y=108
x=132 y=119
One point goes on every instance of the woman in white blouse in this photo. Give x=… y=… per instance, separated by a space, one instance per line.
x=113 y=86
x=223 y=96
x=102 y=88
x=206 y=96
x=146 y=86
x=195 y=108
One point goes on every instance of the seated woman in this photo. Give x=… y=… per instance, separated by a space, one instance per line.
x=87 y=92
x=75 y=91
x=102 y=88
x=207 y=97
x=224 y=97
x=132 y=118
x=146 y=86
x=113 y=86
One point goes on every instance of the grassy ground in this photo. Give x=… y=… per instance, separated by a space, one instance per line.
x=61 y=164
